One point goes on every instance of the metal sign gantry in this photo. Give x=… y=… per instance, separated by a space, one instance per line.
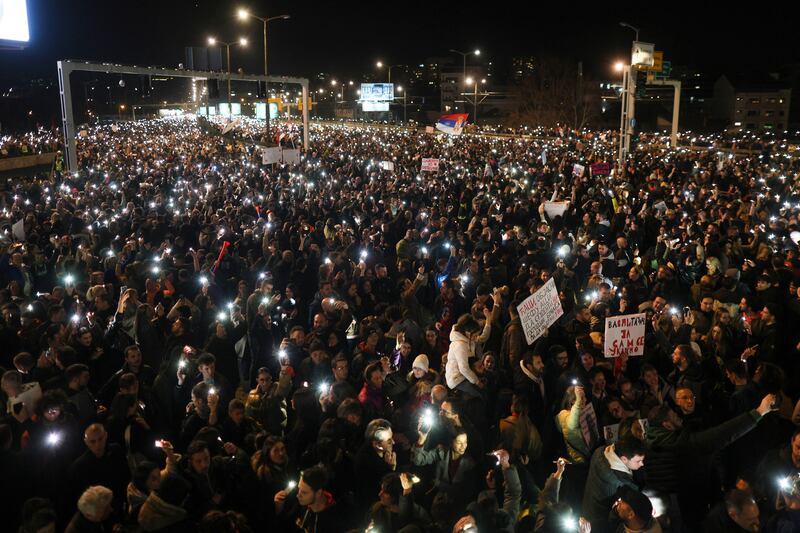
x=67 y=67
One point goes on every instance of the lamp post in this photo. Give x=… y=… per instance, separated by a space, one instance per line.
x=629 y=102
x=400 y=90
x=464 y=60
x=242 y=42
x=333 y=84
x=244 y=15
x=380 y=64
x=474 y=82
x=634 y=28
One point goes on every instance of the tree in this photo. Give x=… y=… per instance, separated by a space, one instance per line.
x=555 y=94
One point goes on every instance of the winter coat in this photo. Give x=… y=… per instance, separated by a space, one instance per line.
x=458 y=369
x=158 y=515
x=462 y=485
x=607 y=474
x=673 y=457
x=270 y=409
x=409 y=513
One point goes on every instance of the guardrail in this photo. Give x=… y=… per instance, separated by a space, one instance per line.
x=26 y=161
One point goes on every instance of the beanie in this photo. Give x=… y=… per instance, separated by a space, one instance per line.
x=421 y=362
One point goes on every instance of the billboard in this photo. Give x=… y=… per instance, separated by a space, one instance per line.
x=223 y=109
x=377 y=92
x=643 y=54
x=261 y=110
x=375 y=106
x=14 y=21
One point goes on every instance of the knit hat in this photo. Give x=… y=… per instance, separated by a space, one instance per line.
x=638 y=502
x=421 y=362
x=94 y=501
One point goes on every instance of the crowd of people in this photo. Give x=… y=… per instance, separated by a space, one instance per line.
x=193 y=340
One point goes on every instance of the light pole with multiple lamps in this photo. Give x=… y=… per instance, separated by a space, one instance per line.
x=474 y=82
x=242 y=42
x=244 y=15
x=464 y=55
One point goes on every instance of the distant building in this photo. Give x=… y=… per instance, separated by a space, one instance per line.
x=752 y=104
x=522 y=67
x=452 y=85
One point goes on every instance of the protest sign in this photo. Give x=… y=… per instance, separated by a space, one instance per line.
x=291 y=156
x=429 y=129
x=271 y=155
x=430 y=164
x=611 y=433
x=600 y=169
x=387 y=165
x=554 y=209
x=625 y=335
x=18 y=230
x=539 y=311
x=577 y=170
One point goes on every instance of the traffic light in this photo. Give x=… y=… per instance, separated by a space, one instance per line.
x=641 y=83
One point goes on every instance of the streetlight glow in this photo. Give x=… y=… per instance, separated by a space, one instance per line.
x=333 y=82
x=618 y=66
x=243 y=14
x=212 y=41
x=469 y=81
x=243 y=41
x=379 y=64
x=477 y=52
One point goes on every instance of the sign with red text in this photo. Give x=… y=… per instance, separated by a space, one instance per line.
x=625 y=335
x=430 y=164
x=600 y=169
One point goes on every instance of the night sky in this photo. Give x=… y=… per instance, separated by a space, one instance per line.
x=346 y=38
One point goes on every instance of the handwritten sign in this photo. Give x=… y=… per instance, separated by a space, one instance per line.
x=387 y=165
x=539 y=311
x=578 y=170
x=624 y=335
x=554 y=209
x=271 y=155
x=430 y=164
x=291 y=156
x=600 y=169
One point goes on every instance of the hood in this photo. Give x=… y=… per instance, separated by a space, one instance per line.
x=457 y=336
x=157 y=514
x=614 y=461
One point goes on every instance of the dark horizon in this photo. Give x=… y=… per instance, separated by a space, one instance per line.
x=345 y=41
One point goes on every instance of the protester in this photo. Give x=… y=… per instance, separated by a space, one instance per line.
x=369 y=327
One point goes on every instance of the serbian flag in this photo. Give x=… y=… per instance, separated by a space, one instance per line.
x=452 y=124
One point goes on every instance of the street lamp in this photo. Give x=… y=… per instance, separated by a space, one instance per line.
x=464 y=55
x=474 y=82
x=619 y=66
x=241 y=42
x=244 y=15
x=400 y=90
x=380 y=64
x=634 y=28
